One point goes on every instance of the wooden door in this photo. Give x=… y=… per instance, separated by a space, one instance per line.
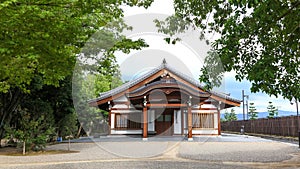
x=163 y=123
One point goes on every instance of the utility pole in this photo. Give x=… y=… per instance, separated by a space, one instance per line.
x=243 y=105
x=247 y=108
x=243 y=96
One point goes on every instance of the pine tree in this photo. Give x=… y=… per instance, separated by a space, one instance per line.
x=252 y=112
x=230 y=116
x=273 y=112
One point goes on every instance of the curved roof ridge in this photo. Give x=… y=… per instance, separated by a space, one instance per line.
x=163 y=65
x=127 y=85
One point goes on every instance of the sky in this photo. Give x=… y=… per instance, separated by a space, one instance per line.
x=184 y=56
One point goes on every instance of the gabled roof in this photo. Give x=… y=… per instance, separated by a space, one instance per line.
x=168 y=83
x=163 y=66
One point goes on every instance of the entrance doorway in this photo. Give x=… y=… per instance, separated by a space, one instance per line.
x=163 y=123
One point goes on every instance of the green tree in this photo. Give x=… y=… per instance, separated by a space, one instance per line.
x=68 y=127
x=230 y=116
x=252 y=112
x=273 y=111
x=32 y=131
x=259 y=40
x=88 y=87
x=42 y=39
x=222 y=120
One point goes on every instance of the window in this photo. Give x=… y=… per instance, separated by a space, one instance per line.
x=128 y=121
x=203 y=120
x=121 y=121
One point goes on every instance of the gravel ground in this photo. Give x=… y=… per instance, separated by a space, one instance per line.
x=230 y=151
x=240 y=152
x=135 y=165
x=87 y=151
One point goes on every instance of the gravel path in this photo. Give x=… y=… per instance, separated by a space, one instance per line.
x=235 y=151
x=136 y=165
x=87 y=151
x=203 y=152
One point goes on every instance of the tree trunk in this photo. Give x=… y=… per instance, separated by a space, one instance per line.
x=8 y=104
x=24 y=148
x=79 y=130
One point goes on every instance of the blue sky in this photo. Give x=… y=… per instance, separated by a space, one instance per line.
x=184 y=57
x=259 y=99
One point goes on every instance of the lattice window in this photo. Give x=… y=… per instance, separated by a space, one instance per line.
x=128 y=121
x=121 y=120
x=203 y=120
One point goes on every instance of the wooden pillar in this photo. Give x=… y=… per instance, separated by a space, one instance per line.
x=145 y=122
x=182 y=121
x=109 y=121
x=109 y=117
x=190 y=125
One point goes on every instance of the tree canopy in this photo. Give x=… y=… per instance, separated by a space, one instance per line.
x=40 y=41
x=259 y=40
x=42 y=37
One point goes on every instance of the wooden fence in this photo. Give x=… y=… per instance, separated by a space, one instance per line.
x=281 y=126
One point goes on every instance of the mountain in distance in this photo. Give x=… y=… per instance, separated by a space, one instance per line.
x=265 y=114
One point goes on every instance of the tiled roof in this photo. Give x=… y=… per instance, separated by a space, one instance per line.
x=165 y=66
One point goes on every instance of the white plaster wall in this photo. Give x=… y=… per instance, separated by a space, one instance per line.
x=112 y=122
x=216 y=120
x=177 y=121
x=126 y=131
x=208 y=106
x=204 y=111
x=185 y=131
x=207 y=132
x=117 y=106
x=151 y=120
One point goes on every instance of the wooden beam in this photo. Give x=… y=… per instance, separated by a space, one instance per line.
x=190 y=125
x=233 y=103
x=167 y=105
x=145 y=122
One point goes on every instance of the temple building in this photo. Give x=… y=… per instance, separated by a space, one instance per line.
x=164 y=102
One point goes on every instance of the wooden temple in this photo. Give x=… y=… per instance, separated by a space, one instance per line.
x=164 y=102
